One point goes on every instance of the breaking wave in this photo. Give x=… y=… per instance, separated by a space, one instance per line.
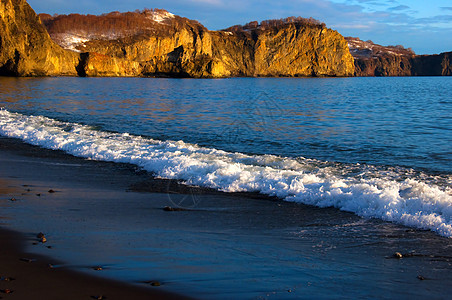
x=393 y=194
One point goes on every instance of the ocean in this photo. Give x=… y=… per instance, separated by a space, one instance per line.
x=378 y=148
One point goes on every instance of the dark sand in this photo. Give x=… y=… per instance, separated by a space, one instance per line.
x=222 y=247
x=31 y=276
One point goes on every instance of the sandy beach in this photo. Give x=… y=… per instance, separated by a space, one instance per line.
x=31 y=276
x=25 y=275
x=109 y=236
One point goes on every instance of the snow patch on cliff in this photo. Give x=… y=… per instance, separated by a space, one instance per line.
x=161 y=16
x=70 y=41
x=368 y=49
x=73 y=40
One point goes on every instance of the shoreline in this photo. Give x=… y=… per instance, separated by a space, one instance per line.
x=224 y=246
x=25 y=274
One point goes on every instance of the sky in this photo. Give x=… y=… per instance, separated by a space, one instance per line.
x=423 y=25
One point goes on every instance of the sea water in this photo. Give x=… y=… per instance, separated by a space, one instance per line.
x=368 y=155
x=377 y=147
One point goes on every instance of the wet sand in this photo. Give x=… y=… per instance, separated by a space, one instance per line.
x=31 y=276
x=25 y=275
x=212 y=246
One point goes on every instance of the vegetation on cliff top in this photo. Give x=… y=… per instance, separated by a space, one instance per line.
x=277 y=24
x=115 y=24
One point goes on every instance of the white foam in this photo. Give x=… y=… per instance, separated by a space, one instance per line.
x=394 y=195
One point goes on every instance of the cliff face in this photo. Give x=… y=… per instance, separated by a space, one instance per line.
x=158 y=43
x=175 y=46
x=302 y=51
x=25 y=46
x=432 y=65
x=376 y=60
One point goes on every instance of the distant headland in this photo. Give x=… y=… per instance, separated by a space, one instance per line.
x=156 y=43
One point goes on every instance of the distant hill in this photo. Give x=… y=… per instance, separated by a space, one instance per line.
x=164 y=44
x=155 y=42
x=72 y=31
x=375 y=60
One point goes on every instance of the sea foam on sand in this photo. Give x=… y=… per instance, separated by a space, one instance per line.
x=392 y=194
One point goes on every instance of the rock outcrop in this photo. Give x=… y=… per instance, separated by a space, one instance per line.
x=26 y=48
x=432 y=65
x=173 y=46
x=375 y=60
x=98 y=65
x=295 y=49
x=158 y=43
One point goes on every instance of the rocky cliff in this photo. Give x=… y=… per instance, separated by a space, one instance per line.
x=26 y=48
x=432 y=65
x=376 y=60
x=158 y=43
x=168 y=45
x=297 y=49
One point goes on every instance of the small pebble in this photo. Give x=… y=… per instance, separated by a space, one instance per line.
x=169 y=208
x=155 y=283
x=28 y=260
x=420 y=277
x=43 y=239
x=6 y=291
x=6 y=278
x=13 y=199
x=39 y=195
x=398 y=255
x=97 y=268
x=40 y=235
x=51 y=191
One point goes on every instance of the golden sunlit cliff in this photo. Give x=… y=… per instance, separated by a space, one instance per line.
x=158 y=43
x=26 y=48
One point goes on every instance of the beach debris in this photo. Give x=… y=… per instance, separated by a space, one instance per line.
x=28 y=260
x=3 y=278
x=153 y=282
x=7 y=291
x=13 y=199
x=397 y=255
x=42 y=238
x=169 y=208
x=51 y=191
x=97 y=268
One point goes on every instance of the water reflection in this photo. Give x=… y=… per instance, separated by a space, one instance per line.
x=378 y=120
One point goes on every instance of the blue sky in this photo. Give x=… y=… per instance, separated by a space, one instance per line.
x=423 y=25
